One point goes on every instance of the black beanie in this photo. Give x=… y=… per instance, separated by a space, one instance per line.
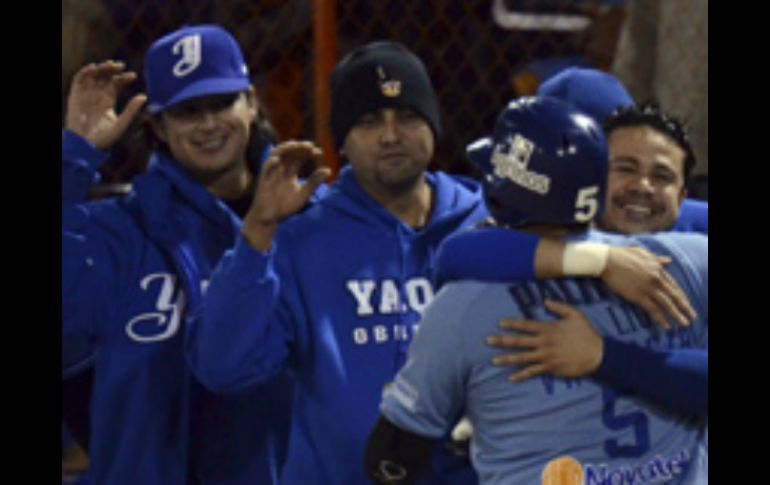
x=379 y=75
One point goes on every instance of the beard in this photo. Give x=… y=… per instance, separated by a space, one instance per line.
x=398 y=178
x=399 y=183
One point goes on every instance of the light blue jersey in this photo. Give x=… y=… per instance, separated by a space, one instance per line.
x=523 y=433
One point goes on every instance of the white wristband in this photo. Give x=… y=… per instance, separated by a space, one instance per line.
x=585 y=259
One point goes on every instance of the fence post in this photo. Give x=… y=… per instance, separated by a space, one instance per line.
x=324 y=58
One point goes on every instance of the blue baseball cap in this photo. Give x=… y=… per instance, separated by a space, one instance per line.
x=194 y=61
x=593 y=92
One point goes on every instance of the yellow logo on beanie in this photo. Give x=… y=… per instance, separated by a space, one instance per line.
x=390 y=88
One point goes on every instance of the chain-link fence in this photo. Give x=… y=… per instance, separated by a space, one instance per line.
x=479 y=53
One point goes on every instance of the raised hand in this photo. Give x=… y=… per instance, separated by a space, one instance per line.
x=279 y=192
x=91 y=103
x=640 y=277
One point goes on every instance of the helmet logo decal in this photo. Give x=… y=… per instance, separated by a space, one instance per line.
x=510 y=160
x=390 y=88
x=191 y=54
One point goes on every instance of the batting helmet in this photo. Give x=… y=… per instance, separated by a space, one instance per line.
x=546 y=163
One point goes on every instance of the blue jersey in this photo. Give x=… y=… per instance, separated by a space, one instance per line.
x=675 y=378
x=527 y=431
x=131 y=268
x=336 y=299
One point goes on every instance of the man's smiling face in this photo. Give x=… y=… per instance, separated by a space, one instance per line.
x=646 y=181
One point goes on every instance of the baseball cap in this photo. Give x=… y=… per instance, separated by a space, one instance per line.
x=378 y=75
x=593 y=92
x=194 y=61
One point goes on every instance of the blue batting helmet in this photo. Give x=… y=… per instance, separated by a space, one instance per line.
x=546 y=163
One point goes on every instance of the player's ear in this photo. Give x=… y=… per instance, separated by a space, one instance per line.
x=252 y=101
x=158 y=128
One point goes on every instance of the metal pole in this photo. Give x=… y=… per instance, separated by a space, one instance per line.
x=324 y=58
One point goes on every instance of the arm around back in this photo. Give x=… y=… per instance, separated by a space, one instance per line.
x=487 y=254
x=676 y=379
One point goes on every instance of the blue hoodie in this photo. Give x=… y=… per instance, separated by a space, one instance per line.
x=336 y=299
x=131 y=268
x=77 y=355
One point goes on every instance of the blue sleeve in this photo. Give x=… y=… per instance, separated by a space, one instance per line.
x=319 y=193
x=98 y=243
x=675 y=379
x=235 y=338
x=80 y=162
x=77 y=354
x=486 y=254
x=693 y=217
x=86 y=263
x=77 y=269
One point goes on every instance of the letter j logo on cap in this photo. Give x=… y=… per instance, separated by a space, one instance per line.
x=190 y=49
